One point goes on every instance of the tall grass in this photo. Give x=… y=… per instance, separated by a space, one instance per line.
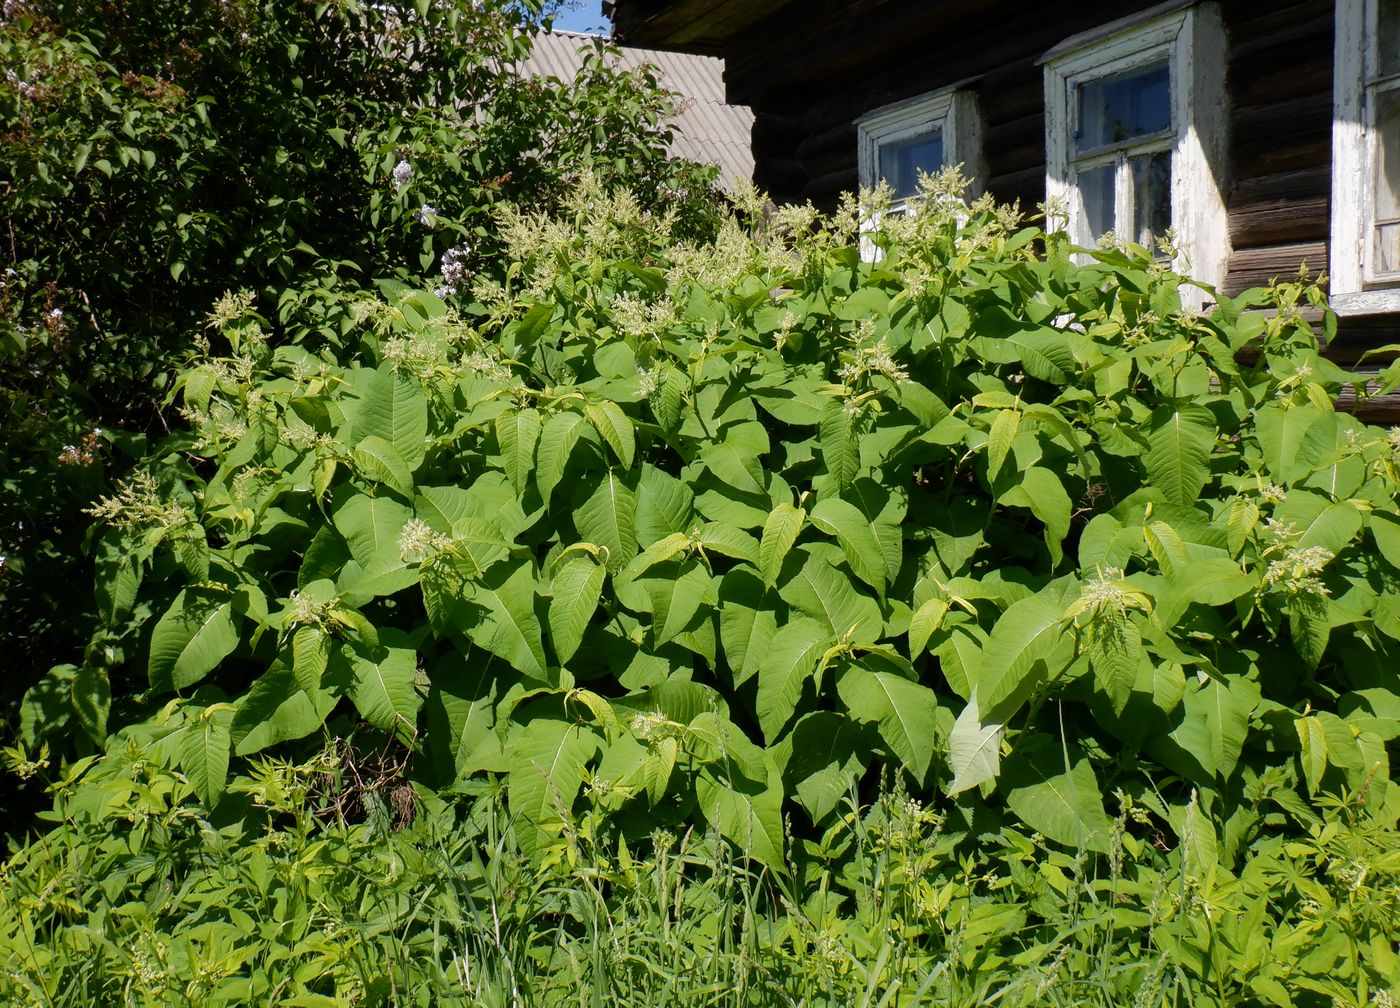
x=136 y=897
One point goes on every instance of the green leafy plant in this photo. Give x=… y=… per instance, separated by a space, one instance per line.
x=716 y=529
x=310 y=888
x=155 y=155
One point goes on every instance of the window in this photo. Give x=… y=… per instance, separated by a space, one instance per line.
x=1365 y=250
x=921 y=134
x=1135 y=133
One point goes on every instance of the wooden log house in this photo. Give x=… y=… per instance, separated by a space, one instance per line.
x=1267 y=134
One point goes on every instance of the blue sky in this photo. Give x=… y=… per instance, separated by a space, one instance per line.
x=582 y=16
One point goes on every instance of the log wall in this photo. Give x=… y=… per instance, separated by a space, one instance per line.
x=808 y=79
x=809 y=70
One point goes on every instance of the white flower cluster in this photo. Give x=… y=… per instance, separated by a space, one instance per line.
x=426 y=215
x=488 y=367
x=1298 y=569
x=649 y=726
x=455 y=272
x=650 y=380
x=403 y=173
x=870 y=360
x=1105 y=592
x=138 y=504
x=420 y=541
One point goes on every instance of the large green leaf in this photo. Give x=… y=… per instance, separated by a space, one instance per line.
x=205 y=745
x=1310 y=625
x=1282 y=430
x=716 y=537
x=547 y=758
x=885 y=509
x=905 y=711
x=749 y=815
x=1043 y=353
x=1385 y=529
x=852 y=530
x=1115 y=653
x=556 y=443
x=197 y=632
x=1312 y=738
x=460 y=709
x=790 y=660
x=779 y=533
x=517 y=431
x=1213 y=581
x=1179 y=440
x=616 y=429
x=276 y=710
x=371 y=527
x=746 y=625
x=1052 y=788
x=1000 y=438
x=509 y=628
x=1041 y=491
x=974 y=749
x=840 y=449
x=822 y=592
x=91 y=696
x=605 y=514
x=575 y=593
x=392 y=406
x=380 y=461
x=675 y=596
x=665 y=505
x=1215 y=720
x=1018 y=655
x=735 y=466
x=311 y=652
x=821 y=760
x=1333 y=529
x=385 y=689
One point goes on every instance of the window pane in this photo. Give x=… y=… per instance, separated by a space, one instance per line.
x=1125 y=105
x=1388 y=37
x=1096 y=190
x=902 y=160
x=1386 y=252
x=1152 y=196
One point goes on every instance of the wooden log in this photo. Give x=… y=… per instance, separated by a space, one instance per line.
x=1256 y=267
x=1280 y=222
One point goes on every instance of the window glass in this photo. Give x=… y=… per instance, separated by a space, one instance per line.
x=1125 y=105
x=1096 y=189
x=902 y=160
x=1387 y=198
x=1152 y=196
x=1388 y=38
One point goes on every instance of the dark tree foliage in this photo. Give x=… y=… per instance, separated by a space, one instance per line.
x=156 y=153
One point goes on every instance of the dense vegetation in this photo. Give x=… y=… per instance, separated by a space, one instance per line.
x=156 y=153
x=711 y=527
x=656 y=605
x=142 y=898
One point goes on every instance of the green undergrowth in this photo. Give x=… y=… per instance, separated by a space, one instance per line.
x=679 y=532
x=337 y=884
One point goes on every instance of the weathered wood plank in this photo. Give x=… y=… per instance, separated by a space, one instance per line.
x=1256 y=267
x=1279 y=222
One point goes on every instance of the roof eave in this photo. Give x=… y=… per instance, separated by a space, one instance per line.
x=695 y=26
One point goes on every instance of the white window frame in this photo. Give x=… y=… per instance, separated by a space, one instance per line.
x=1191 y=37
x=952 y=111
x=1353 y=290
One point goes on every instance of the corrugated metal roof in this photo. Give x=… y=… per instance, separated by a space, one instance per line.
x=706 y=128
